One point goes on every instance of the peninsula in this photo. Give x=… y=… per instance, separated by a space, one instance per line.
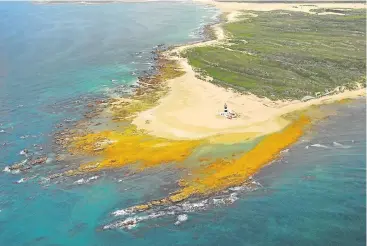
x=270 y=64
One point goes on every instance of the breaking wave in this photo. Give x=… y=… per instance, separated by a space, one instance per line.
x=85 y=180
x=181 y=218
x=320 y=146
x=182 y=209
x=339 y=145
x=334 y=145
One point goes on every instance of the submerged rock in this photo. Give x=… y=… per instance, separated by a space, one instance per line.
x=19 y=165
x=38 y=161
x=56 y=175
x=24 y=152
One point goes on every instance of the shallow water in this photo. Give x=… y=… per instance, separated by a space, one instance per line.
x=314 y=195
x=54 y=59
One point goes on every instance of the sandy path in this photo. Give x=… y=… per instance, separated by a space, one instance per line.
x=191 y=109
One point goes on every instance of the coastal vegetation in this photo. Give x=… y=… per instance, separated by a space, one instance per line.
x=277 y=54
x=261 y=55
x=286 y=54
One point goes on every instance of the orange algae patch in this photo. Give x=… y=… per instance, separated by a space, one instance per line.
x=117 y=149
x=224 y=174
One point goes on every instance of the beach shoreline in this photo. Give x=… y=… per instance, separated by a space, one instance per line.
x=192 y=106
x=191 y=111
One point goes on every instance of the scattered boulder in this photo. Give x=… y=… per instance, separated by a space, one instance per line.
x=38 y=161
x=56 y=175
x=23 y=152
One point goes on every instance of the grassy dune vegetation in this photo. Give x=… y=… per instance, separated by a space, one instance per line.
x=287 y=55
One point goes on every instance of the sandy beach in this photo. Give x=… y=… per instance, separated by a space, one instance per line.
x=191 y=110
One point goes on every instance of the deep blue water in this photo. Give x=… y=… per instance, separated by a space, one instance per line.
x=54 y=55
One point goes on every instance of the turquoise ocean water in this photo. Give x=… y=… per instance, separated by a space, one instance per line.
x=55 y=58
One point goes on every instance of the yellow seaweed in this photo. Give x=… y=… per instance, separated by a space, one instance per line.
x=223 y=174
x=117 y=149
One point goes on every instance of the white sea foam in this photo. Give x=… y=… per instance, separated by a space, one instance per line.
x=22 y=180
x=284 y=151
x=195 y=206
x=320 y=146
x=7 y=169
x=181 y=208
x=84 y=181
x=80 y=181
x=237 y=188
x=181 y=218
x=233 y=197
x=123 y=212
x=339 y=145
x=128 y=223
x=44 y=180
x=256 y=183
x=92 y=178
x=132 y=222
x=225 y=200
x=218 y=201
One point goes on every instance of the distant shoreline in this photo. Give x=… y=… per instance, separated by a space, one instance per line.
x=97 y=1
x=224 y=1
x=291 y=1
